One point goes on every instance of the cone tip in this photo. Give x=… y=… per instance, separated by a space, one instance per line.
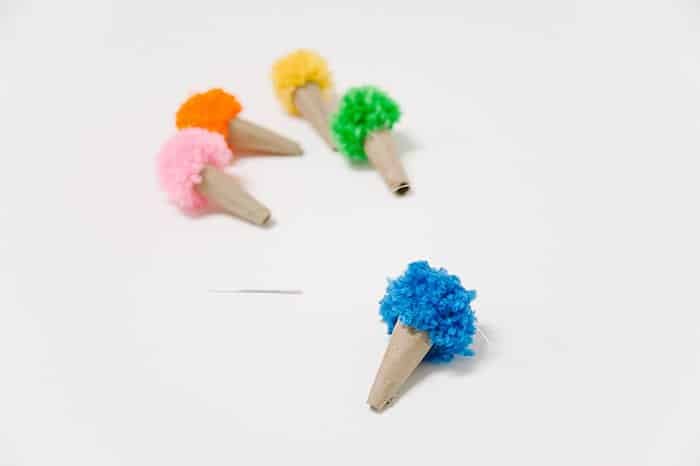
x=402 y=188
x=264 y=218
x=407 y=348
x=378 y=405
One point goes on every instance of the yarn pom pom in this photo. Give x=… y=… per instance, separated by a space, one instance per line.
x=295 y=70
x=361 y=111
x=210 y=110
x=435 y=302
x=181 y=160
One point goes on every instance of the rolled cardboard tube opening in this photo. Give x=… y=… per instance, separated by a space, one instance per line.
x=379 y=409
x=312 y=107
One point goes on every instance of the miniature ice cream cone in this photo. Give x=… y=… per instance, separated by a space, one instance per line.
x=362 y=129
x=428 y=314
x=216 y=110
x=190 y=168
x=302 y=83
x=381 y=153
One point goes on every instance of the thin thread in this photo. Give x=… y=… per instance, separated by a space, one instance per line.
x=483 y=335
x=258 y=291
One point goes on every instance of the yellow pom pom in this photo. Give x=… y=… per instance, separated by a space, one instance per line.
x=295 y=70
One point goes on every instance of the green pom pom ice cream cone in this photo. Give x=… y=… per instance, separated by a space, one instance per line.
x=362 y=129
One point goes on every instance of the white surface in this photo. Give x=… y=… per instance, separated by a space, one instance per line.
x=553 y=147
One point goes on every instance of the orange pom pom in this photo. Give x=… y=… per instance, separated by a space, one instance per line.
x=211 y=110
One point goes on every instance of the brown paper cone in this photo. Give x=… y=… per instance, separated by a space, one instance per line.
x=332 y=104
x=250 y=137
x=381 y=152
x=407 y=348
x=225 y=192
x=310 y=103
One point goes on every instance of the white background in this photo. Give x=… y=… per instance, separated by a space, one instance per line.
x=553 y=147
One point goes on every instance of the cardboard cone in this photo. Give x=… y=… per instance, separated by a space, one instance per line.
x=246 y=136
x=381 y=152
x=407 y=348
x=332 y=104
x=309 y=101
x=225 y=192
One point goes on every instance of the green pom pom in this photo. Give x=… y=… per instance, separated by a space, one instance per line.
x=361 y=111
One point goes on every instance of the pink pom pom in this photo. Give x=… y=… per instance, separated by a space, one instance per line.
x=181 y=160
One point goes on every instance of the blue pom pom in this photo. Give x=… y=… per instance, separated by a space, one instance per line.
x=434 y=301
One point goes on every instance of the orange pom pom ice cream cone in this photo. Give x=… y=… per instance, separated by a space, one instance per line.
x=218 y=111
